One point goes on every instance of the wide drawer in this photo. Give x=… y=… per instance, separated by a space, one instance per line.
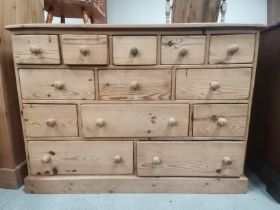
x=238 y=48
x=85 y=49
x=36 y=49
x=50 y=120
x=134 y=50
x=83 y=157
x=135 y=84
x=190 y=158
x=135 y=120
x=182 y=49
x=56 y=84
x=220 y=120
x=213 y=83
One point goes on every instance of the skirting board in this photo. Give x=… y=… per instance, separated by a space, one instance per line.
x=13 y=178
x=133 y=184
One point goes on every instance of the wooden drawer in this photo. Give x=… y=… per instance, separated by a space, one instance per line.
x=135 y=120
x=232 y=48
x=85 y=49
x=36 y=49
x=190 y=158
x=213 y=83
x=50 y=120
x=56 y=84
x=220 y=120
x=135 y=84
x=182 y=49
x=82 y=157
x=134 y=50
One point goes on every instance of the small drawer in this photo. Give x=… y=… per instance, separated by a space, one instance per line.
x=135 y=84
x=238 y=48
x=210 y=159
x=56 y=84
x=135 y=120
x=36 y=49
x=182 y=49
x=213 y=83
x=82 y=157
x=50 y=120
x=85 y=49
x=220 y=120
x=134 y=50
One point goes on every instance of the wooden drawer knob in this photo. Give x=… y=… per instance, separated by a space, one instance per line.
x=134 y=51
x=46 y=158
x=227 y=160
x=84 y=50
x=156 y=160
x=232 y=49
x=134 y=85
x=214 y=85
x=172 y=121
x=183 y=52
x=118 y=159
x=59 y=85
x=100 y=122
x=51 y=122
x=222 y=121
x=35 y=49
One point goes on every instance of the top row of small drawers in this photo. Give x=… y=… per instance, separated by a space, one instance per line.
x=132 y=50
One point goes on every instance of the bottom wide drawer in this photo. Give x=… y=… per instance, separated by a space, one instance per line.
x=83 y=157
x=190 y=158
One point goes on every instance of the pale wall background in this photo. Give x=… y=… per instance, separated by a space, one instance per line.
x=153 y=11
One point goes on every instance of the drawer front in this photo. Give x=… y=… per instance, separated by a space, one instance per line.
x=56 y=84
x=213 y=83
x=190 y=158
x=50 y=120
x=135 y=84
x=83 y=157
x=85 y=49
x=134 y=50
x=134 y=120
x=182 y=49
x=36 y=49
x=220 y=120
x=232 y=48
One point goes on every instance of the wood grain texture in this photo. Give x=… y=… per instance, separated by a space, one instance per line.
x=36 y=49
x=36 y=118
x=56 y=84
x=82 y=157
x=196 y=83
x=221 y=44
x=85 y=49
x=135 y=84
x=206 y=116
x=182 y=49
x=190 y=158
x=146 y=50
x=135 y=120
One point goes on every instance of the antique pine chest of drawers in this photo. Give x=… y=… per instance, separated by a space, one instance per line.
x=148 y=108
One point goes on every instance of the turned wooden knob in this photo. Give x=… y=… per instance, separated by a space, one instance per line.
x=35 y=49
x=59 y=85
x=134 y=85
x=227 y=160
x=183 y=52
x=232 y=49
x=172 y=121
x=46 y=158
x=214 y=85
x=84 y=50
x=222 y=121
x=100 y=122
x=156 y=160
x=51 y=122
x=134 y=51
x=118 y=159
